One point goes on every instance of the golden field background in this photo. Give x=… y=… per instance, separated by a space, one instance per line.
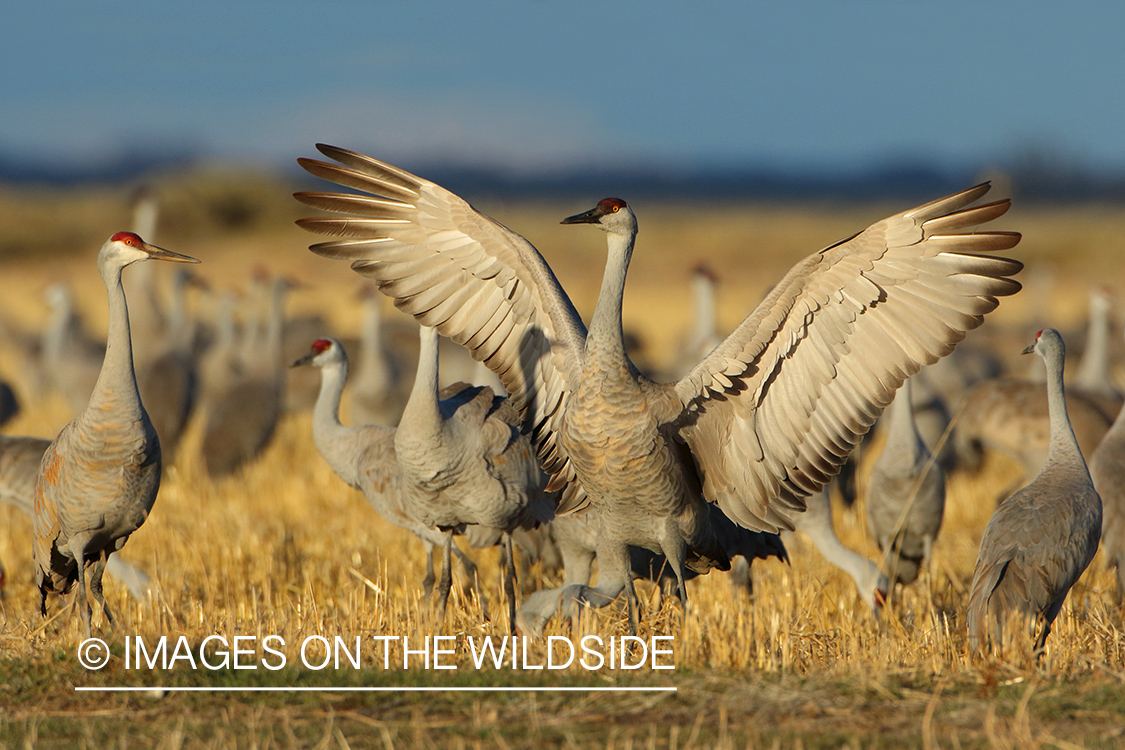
x=285 y=548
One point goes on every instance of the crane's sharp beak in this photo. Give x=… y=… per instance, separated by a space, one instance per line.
x=593 y=216
x=159 y=253
x=1029 y=349
x=304 y=360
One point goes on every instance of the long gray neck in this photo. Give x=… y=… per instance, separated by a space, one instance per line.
x=58 y=329
x=607 y=337
x=705 y=313
x=180 y=325
x=331 y=437
x=817 y=523
x=1093 y=369
x=1063 y=447
x=225 y=322
x=372 y=361
x=422 y=406
x=117 y=380
x=903 y=440
x=266 y=362
x=276 y=324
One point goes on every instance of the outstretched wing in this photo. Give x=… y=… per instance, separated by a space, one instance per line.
x=772 y=411
x=459 y=271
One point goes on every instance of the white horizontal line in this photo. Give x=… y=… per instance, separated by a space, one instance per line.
x=227 y=689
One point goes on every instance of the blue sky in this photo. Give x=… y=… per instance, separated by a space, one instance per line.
x=535 y=85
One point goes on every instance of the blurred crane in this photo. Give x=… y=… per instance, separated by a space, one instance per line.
x=905 y=494
x=377 y=393
x=169 y=383
x=1107 y=470
x=241 y=421
x=72 y=358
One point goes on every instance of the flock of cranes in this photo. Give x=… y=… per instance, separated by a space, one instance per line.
x=581 y=451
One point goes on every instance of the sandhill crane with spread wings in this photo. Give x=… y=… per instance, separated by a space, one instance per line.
x=759 y=424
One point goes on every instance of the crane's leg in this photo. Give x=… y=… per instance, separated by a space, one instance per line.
x=97 y=569
x=1041 y=641
x=634 y=607
x=510 y=581
x=675 y=550
x=77 y=549
x=613 y=576
x=928 y=562
x=428 y=581
x=474 y=576
x=446 y=582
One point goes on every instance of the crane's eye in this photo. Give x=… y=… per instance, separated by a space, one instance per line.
x=616 y=209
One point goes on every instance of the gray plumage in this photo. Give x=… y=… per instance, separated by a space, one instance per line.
x=905 y=494
x=1040 y=540
x=19 y=465
x=1094 y=377
x=703 y=335
x=464 y=461
x=758 y=425
x=364 y=456
x=220 y=365
x=99 y=478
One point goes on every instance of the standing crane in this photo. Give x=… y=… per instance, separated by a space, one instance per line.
x=364 y=456
x=762 y=422
x=464 y=462
x=1040 y=540
x=99 y=477
x=905 y=494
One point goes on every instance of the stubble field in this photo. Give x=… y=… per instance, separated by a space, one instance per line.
x=284 y=548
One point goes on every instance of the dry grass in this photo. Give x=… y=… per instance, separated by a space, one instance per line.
x=284 y=548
